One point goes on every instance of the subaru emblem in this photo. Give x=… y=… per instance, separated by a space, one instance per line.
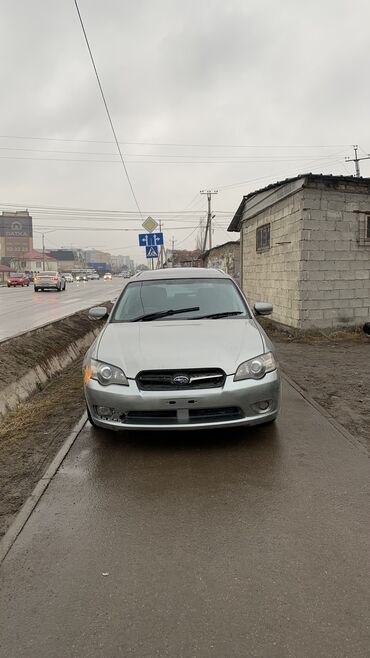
x=181 y=380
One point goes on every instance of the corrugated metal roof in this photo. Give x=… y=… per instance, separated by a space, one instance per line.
x=235 y=222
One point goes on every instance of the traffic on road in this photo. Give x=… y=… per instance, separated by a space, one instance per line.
x=23 y=309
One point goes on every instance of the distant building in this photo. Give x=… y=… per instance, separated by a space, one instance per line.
x=16 y=235
x=183 y=258
x=4 y=272
x=36 y=261
x=225 y=257
x=305 y=247
x=67 y=259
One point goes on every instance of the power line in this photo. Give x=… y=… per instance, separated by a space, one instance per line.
x=237 y=158
x=184 y=144
x=107 y=109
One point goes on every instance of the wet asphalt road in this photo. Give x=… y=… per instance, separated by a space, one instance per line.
x=250 y=543
x=21 y=309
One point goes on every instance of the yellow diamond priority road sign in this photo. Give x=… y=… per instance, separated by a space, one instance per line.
x=150 y=224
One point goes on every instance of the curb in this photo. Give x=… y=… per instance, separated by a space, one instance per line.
x=26 y=510
x=347 y=435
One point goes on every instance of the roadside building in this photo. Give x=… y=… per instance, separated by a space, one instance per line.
x=183 y=258
x=16 y=235
x=4 y=272
x=36 y=261
x=225 y=257
x=67 y=259
x=101 y=261
x=305 y=247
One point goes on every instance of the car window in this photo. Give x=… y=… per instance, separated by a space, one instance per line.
x=211 y=295
x=48 y=274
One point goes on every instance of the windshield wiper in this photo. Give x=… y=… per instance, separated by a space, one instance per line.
x=164 y=314
x=224 y=314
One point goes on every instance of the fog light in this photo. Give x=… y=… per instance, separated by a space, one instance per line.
x=262 y=406
x=104 y=412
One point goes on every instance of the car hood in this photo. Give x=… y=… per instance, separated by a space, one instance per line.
x=177 y=345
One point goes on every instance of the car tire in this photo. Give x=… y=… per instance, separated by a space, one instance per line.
x=37 y=289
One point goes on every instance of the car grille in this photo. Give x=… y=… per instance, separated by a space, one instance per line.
x=165 y=380
x=169 y=417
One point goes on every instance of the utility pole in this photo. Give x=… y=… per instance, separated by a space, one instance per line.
x=209 y=219
x=161 y=250
x=356 y=160
x=172 y=250
x=43 y=252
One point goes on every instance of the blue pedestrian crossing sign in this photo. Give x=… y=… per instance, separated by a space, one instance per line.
x=151 y=252
x=150 y=239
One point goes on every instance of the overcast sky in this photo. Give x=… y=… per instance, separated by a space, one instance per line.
x=221 y=94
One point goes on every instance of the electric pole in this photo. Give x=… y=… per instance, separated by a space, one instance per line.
x=43 y=252
x=172 y=250
x=161 y=250
x=209 y=218
x=356 y=160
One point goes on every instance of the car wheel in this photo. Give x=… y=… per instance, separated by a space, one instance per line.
x=36 y=289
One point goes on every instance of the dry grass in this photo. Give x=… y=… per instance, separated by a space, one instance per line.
x=31 y=435
x=311 y=337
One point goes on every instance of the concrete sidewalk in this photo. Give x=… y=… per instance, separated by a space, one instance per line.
x=244 y=543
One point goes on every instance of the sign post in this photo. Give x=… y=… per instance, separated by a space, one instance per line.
x=150 y=240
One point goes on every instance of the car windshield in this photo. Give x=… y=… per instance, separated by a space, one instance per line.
x=17 y=275
x=212 y=297
x=47 y=274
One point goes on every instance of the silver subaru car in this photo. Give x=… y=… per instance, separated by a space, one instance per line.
x=181 y=349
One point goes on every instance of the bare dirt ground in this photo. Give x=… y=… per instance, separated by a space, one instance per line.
x=334 y=370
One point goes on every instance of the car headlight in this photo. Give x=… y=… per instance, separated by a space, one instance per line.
x=256 y=368
x=104 y=373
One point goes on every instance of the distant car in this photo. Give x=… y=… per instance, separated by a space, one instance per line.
x=18 y=279
x=95 y=276
x=68 y=277
x=49 y=280
x=81 y=277
x=107 y=276
x=181 y=350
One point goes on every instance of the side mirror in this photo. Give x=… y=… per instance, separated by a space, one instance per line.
x=262 y=308
x=366 y=328
x=98 y=313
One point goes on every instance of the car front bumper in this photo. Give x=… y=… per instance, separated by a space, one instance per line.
x=235 y=404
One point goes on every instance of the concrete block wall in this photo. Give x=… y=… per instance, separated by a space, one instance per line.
x=225 y=257
x=274 y=275
x=335 y=262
